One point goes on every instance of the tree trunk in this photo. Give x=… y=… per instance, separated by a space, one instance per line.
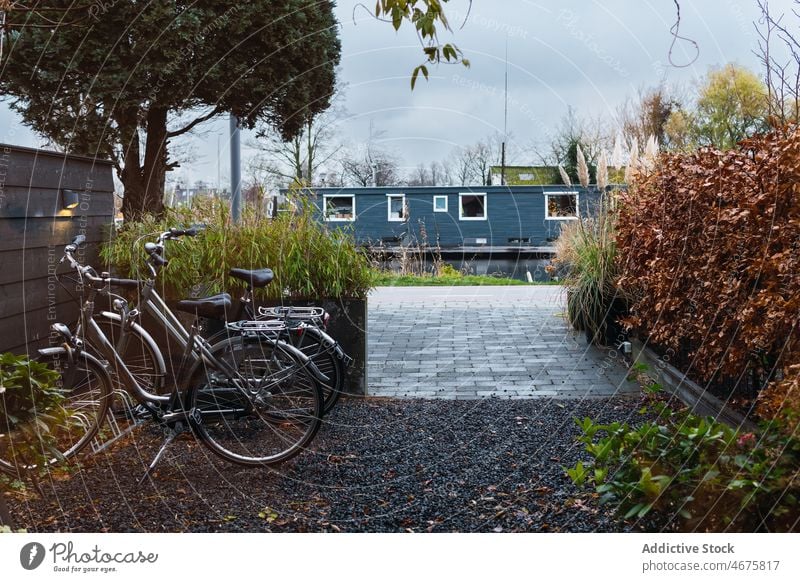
x=5 y=514
x=297 y=160
x=144 y=182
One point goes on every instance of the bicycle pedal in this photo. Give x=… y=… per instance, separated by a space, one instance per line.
x=140 y=411
x=196 y=416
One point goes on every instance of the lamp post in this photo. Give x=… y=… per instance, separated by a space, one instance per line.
x=219 y=174
x=236 y=169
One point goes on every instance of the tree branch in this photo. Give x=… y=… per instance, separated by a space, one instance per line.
x=202 y=119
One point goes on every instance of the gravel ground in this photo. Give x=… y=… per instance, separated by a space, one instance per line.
x=379 y=465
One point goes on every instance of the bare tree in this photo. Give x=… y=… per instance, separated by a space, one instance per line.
x=439 y=173
x=419 y=176
x=648 y=115
x=299 y=160
x=462 y=164
x=486 y=153
x=781 y=70
x=434 y=174
x=472 y=165
x=369 y=164
x=592 y=135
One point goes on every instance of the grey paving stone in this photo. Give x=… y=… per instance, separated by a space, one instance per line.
x=483 y=342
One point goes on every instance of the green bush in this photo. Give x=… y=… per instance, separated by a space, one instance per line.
x=696 y=471
x=309 y=261
x=456 y=279
x=31 y=413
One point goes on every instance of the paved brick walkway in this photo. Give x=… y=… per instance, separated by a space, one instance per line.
x=474 y=342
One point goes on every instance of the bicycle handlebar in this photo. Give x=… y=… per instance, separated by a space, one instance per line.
x=76 y=242
x=154 y=250
x=192 y=231
x=174 y=233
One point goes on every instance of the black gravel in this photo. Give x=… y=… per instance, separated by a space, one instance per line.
x=378 y=465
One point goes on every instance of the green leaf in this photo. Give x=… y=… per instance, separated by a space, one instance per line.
x=634 y=510
x=577 y=474
x=600 y=475
x=268 y=514
x=420 y=69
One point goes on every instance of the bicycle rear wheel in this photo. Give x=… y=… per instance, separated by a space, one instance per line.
x=86 y=390
x=269 y=415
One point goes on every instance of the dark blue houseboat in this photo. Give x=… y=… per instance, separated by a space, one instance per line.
x=455 y=217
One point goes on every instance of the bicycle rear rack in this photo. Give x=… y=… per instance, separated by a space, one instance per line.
x=257 y=326
x=294 y=313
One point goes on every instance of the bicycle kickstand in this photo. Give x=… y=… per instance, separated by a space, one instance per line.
x=171 y=434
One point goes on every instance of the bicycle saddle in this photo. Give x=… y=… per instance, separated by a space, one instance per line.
x=213 y=307
x=257 y=278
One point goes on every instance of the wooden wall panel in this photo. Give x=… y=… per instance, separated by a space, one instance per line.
x=34 y=228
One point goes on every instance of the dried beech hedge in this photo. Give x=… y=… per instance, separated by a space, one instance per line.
x=710 y=252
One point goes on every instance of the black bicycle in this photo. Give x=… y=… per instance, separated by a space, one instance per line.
x=252 y=399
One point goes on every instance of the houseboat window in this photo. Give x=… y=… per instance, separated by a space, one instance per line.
x=396 y=207
x=440 y=203
x=340 y=208
x=561 y=206
x=472 y=206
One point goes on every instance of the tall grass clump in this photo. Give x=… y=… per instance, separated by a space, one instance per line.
x=309 y=260
x=587 y=249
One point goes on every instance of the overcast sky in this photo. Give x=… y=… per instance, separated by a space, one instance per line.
x=590 y=54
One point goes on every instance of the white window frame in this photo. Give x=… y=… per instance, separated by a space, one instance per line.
x=333 y=218
x=461 y=206
x=446 y=202
x=547 y=205
x=389 y=207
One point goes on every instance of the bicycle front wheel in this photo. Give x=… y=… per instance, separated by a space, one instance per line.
x=267 y=414
x=86 y=391
x=313 y=344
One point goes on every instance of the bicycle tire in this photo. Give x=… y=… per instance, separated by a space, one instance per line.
x=87 y=408
x=249 y=429
x=325 y=360
x=313 y=346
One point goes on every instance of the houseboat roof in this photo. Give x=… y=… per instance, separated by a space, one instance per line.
x=433 y=189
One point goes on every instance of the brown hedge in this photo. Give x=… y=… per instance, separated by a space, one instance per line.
x=710 y=253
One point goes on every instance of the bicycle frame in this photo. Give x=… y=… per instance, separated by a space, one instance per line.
x=195 y=348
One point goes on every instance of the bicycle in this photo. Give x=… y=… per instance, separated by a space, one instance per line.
x=250 y=399
x=306 y=329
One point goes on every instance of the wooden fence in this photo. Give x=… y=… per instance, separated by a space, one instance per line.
x=36 y=187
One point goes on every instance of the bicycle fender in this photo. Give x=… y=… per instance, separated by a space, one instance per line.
x=330 y=344
x=69 y=353
x=137 y=329
x=304 y=360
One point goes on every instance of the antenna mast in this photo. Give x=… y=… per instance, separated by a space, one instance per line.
x=505 y=124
